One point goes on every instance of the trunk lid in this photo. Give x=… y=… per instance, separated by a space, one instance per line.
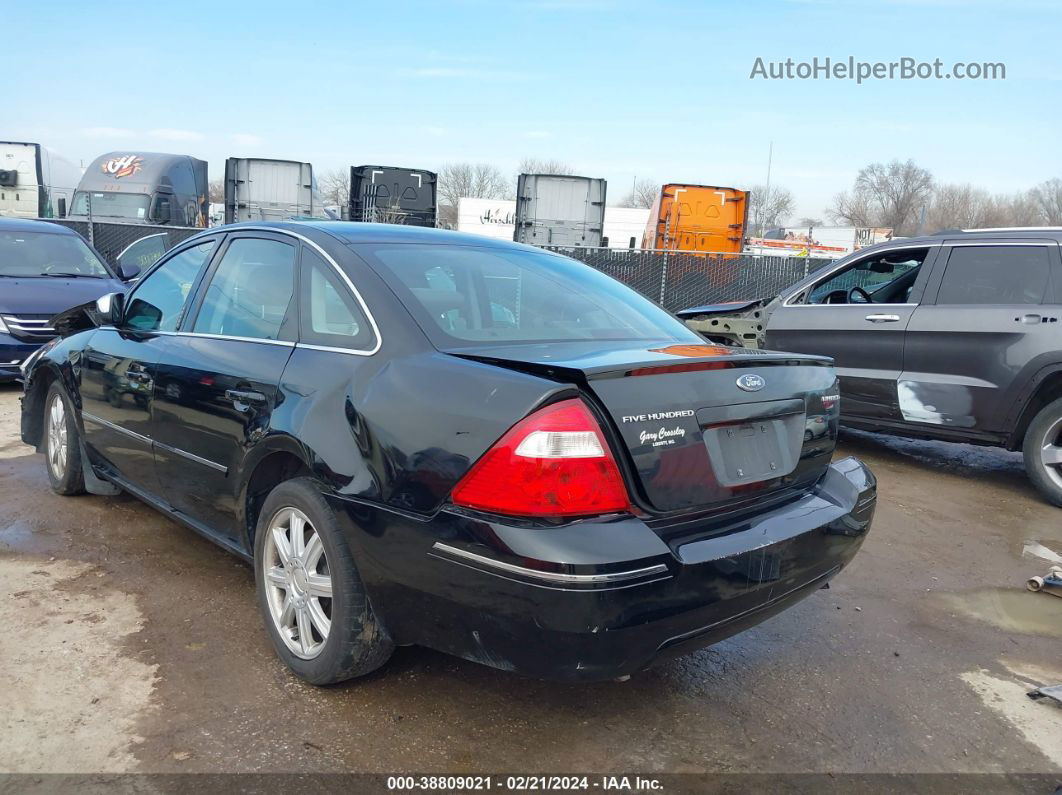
x=702 y=425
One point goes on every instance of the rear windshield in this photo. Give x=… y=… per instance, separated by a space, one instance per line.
x=463 y=295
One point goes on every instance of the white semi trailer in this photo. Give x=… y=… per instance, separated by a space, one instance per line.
x=35 y=182
x=258 y=189
x=559 y=210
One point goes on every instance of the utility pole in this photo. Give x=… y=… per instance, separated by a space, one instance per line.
x=767 y=188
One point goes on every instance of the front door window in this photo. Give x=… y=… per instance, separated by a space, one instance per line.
x=885 y=278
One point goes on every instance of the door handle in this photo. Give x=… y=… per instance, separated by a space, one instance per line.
x=244 y=397
x=883 y=318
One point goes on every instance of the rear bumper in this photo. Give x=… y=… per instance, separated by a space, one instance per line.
x=12 y=353
x=606 y=599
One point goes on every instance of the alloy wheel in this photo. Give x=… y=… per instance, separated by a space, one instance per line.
x=297 y=581
x=57 y=439
x=1051 y=452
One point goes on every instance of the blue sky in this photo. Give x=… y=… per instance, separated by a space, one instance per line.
x=618 y=89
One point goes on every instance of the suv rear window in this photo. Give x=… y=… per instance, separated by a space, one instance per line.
x=466 y=294
x=995 y=275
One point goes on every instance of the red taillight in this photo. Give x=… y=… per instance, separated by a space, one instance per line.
x=552 y=463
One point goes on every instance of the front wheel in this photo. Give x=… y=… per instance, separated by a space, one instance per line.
x=313 y=601
x=62 y=446
x=1043 y=452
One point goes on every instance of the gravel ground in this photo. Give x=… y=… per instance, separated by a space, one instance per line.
x=134 y=645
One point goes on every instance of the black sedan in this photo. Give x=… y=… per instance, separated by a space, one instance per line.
x=419 y=436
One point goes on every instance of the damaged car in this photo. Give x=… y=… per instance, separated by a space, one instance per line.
x=954 y=336
x=422 y=437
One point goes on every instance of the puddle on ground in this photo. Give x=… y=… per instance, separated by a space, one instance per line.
x=22 y=536
x=1010 y=609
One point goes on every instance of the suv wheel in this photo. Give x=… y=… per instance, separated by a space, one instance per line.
x=1043 y=452
x=312 y=599
x=62 y=445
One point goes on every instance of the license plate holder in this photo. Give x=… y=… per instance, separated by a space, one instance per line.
x=755 y=450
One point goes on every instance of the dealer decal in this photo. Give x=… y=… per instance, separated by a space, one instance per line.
x=124 y=166
x=662 y=437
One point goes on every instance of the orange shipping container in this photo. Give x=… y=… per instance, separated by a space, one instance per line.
x=697 y=218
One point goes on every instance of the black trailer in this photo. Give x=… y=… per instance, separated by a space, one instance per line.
x=392 y=195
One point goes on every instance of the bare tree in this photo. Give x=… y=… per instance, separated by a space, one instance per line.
x=809 y=221
x=216 y=191
x=534 y=165
x=768 y=208
x=886 y=194
x=968 y=207
x=335 y=187
x=471 y=180
x=1021 y=209
x=643 y=194
x=961 y=207
x=1047 y=197
x=851 y=208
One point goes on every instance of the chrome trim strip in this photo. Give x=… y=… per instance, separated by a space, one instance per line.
x=984 y=243
x=330 y=349
x=552 y=576
x=342 y=275
x=284 y=343
x=100 y=421
x=193 y=457
x=145 y=237
x=1016 y=229
x=149 y=441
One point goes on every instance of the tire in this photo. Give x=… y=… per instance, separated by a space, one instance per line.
x=62 y=444
x=1045 y=431
x=292 y=596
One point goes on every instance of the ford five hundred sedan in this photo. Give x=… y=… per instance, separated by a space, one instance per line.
x=423 y=437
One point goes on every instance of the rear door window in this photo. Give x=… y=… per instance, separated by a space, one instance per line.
x=985 y=275
x=329 y=313
x=250 y=291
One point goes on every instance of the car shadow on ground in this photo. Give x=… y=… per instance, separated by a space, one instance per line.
x=990 y=464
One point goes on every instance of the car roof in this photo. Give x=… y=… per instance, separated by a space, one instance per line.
x=1000 y=233
x=354 y=232
x=937 y=238
x=31 y=225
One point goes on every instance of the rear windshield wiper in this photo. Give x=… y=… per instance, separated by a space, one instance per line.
x=71 y=275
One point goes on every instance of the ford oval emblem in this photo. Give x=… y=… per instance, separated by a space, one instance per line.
x=751 y=382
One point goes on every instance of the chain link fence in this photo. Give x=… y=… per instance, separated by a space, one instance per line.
x=683 y=279
x=674 y=279
x=113 y=240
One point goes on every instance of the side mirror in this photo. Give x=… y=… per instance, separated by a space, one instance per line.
x=109 y=308
x=127 y=271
